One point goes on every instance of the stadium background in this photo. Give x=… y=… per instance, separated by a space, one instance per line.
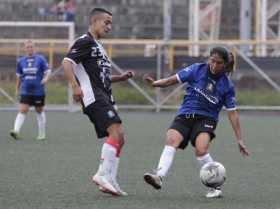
x=146 y=38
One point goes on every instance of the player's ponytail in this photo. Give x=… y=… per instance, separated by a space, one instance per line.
x=229 y=67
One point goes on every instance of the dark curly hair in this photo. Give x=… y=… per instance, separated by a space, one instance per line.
x=230 y=64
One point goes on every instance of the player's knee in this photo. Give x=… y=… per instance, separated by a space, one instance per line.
x=116 y=131
x=172 y=141
x=120 y=134
x=173 y=138
x=201 y=144
x=24 y=110
x=39 y=109
x=201 y=151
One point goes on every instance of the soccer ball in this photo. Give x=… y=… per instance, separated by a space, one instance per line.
x=213 y=174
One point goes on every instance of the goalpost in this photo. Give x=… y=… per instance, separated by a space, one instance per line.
x=46 y=36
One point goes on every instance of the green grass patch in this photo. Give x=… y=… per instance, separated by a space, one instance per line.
x=57 y=93
x=124 y=93
x=56 y=173
x=258 y=97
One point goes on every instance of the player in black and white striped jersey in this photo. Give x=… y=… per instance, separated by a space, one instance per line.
x=88 y=69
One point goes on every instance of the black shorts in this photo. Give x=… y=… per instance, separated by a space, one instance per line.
x=191 y=125
x=102 y=114
x=33 y=100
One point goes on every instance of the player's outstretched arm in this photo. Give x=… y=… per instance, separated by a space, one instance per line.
x=164 y=82
x=46 y=77
x=123 y=77
x=234 y=120
x=68 y=72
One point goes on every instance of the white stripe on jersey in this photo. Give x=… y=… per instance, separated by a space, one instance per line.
x=178 y=78
x=48 y=71
x=73 y=62
x=83 y=78
x=231 y=109
x=103 y=51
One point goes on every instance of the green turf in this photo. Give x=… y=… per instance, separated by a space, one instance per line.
x=55 y=174
x=125 y=94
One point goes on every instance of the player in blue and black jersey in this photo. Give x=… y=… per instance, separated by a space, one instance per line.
x=32 y=73
x=208 y=89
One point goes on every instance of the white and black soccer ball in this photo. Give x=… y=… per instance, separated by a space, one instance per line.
x=213 y=174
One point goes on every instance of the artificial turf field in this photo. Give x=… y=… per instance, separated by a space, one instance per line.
x=56 y=173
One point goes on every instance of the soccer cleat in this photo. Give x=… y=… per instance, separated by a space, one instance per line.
x=14 y=134
x=153 y=180
x=214 y=193
x=120 y=191
x=41 y=137
x=117 y=186
x=105 y=183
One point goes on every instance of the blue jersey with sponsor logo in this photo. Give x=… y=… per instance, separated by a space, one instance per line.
x=31 y=71
x=206 y=93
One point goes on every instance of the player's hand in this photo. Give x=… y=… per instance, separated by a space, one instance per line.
x=242 y=148
x=128 y=74
x=16 y=93
x=44 y=81
x=17 y=96
x=148 y=79
x=77 y=93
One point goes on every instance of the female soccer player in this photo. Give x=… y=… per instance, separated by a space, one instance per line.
x=208 y=90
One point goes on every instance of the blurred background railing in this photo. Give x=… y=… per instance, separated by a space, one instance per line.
x=149 y=36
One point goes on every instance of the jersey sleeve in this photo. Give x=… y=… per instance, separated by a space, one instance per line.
x=18 y=68
x=186 y=74
x=79 y=51
x=230 y=101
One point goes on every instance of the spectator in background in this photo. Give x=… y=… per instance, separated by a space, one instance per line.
x=57 y=9
x=69 y=11
x=65 y=10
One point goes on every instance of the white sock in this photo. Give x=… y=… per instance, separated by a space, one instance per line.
x=202 y=160
x=19 y=122
x=115 y=168
x=108 y=159
x=166 y=160
x=41 y=120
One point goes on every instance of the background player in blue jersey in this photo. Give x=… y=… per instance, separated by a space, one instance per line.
x=32 y=74
x=208 y=89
